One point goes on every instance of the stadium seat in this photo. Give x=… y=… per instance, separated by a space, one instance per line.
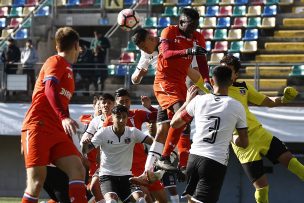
x=31 y=2
x=170 y=11
x=236 y=47
x=131 y=47
x=111 y=69
x=215 y=58
x=15 y=12
x=121 y=70
x=208 y=45
x=5 y=3
x=198 y=2
x=285 y=2
x=2 y=22
x=17 y=3
x=211 y=11
x=207 y=33
x=223 y=22
x=220 y=34
x=128 y=3
x=60 y=2
x=164 y=22
x=220 y=46
x=251 y=34
x=271 y=2
x=27 y=10
x=208 y=22
x=170 y=2
x=250 y=47
x=6 y=32
x=200 y=10
x=270 y=10
x=156 y=2
x=127 y=57
x=27 y=23
x=226 y=2
x=254 y=11
x=253 y=22
x=184 y=2
x=14 y=22
x=3 y=11
x=234 y=34
x=21 y=34
x=86 y=3
x=212 y=2
x=71 y=3
x=268 y=22
x=43 y=11
x=297 y=70
x=239 y=11
x=150 y=22
x=257 y=2
x=159 y=31
x=225 y=11
x=97 y=3
x=240 y=2
x=239 y=22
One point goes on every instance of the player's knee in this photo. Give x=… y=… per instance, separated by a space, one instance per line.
x=34 y=187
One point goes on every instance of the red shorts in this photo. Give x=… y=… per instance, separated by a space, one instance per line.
x=42 y=147
x=168 y=94
x=92 y=157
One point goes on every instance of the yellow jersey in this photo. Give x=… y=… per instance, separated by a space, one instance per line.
x=245 y=94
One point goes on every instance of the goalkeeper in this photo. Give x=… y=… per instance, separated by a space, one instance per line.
x=261 y=142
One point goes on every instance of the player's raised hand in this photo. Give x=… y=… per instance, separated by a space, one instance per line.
x=290 y=94
x=196 y=50
x=145 y=101
x=86 y=138
x=191 y=93
x=70 y=126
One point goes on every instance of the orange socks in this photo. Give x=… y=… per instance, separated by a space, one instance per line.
x=77 y=191
x=27 y=198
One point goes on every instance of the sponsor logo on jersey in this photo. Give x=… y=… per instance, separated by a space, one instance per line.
x=70 y=76
x=127 y=140
x=66 y=93
x=242 y=91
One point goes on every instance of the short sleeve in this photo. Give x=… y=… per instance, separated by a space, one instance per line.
x=93 y=125
x=241 y=116
x=254 y=96
x=97 y=138
x=194 y=63
x=54 y=69
x=191 y=107
x=139 y=136
x=143 y=62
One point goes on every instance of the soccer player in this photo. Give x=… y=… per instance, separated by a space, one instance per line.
x=47 y=127
x=105 y=104
x=136 y=118
x=261 y=142
x=178 y=46
x=117 y=143
x=216 y=116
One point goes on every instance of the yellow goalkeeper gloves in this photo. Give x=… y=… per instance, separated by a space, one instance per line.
x=289 y=94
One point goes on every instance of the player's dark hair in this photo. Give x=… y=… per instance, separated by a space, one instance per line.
x=120 y=109
x=190 y=13
x=222 y=75
x=106 y=96
x=121 y=92
x=231 y=60
x=139 y=36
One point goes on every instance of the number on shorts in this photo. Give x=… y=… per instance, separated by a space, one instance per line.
x=213 y=129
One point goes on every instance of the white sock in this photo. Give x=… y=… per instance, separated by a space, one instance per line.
x=155 y=152
x=174 y=199
x=141 y=200
x=101 y=201
x=111 y=201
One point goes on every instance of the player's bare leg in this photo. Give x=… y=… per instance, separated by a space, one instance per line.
x=95 y=189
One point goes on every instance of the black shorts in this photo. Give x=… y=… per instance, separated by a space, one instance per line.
x=56 y=184
x=169 y=180
x=205 y=179
x=119 y=185
x=162 y=115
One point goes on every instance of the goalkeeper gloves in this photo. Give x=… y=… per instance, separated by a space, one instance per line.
x=196 y=50
x=208 y=86
x=290 y=94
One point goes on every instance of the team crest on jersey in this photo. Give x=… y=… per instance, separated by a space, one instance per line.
x=243 y=91
x=110 y=142
x=127 y=140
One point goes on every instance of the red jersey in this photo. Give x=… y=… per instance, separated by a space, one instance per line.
x=136 y=118
x=41 y=113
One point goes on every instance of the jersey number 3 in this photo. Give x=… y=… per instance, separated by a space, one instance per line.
x=213 y=129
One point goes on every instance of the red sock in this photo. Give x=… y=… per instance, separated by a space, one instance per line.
x=172 y=140
x=77 y=191
x=183 y=147
x=27 y=198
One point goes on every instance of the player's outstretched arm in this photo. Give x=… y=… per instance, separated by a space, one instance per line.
x=241 y=140
x=138 y=75
x=86 y=147
x=289 y=95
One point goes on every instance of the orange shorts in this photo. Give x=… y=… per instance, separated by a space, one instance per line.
x=155 y=186
x=92 y=157
x=168 y=94
x=42 y=147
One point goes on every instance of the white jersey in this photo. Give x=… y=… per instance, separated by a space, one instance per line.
x=95 y=124
x=216 y=117
x=117 y=152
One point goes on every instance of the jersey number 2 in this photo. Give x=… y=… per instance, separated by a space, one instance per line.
x=213 y=129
